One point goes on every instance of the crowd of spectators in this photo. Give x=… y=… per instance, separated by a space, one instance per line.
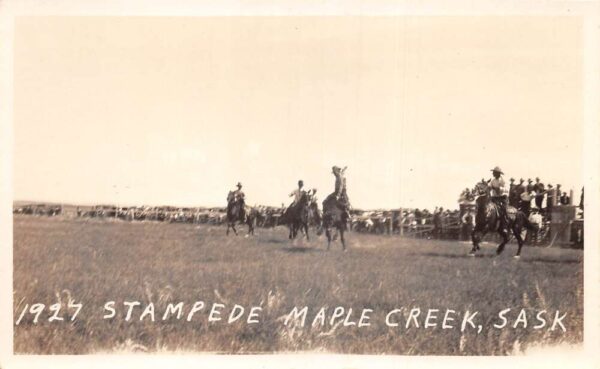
x=532 y=197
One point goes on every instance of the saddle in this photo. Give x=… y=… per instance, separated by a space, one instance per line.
x=511 y=211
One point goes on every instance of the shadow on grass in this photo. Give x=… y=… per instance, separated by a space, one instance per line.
x=493 y=255
x=552 y=261
x=300 y=249
x=276 y=240
x=454 y=256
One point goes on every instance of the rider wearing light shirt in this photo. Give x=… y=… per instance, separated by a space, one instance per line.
x=297 y=193
x=499 y=193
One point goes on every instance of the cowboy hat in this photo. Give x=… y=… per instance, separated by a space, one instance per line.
x=239 y=184
x=336 y=168
x=497 y=169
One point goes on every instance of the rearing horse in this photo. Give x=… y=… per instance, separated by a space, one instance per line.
x=334 y=217
x=488 y=219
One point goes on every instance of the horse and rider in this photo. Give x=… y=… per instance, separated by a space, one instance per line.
x=238 y=212
x=494 y=215
x=336 y=207
x=304 y=209
x=302 y=212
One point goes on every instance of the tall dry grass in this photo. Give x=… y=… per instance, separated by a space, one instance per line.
x=91 y=262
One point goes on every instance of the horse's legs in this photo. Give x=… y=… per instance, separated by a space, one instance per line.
x=328 y=234
x=476 y=237
x=234 y=230
x=504 y=233
x=517 y=232
x=227 y=233
x=306 y=231
x=342 y=239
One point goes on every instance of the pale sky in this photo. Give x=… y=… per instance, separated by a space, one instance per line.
x=176 y=111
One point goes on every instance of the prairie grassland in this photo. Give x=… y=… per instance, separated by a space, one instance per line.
x=92 y=262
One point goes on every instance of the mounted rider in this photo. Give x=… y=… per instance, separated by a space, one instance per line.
x=237 y=196
x=297 y=193
x=340 y=190
x=498 y=192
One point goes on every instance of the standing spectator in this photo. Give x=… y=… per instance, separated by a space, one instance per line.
x=539 y=193
x=418 y=216
x=526 y=202
x=581 y=200
x=411 y=221
x=530 y=186
x=437 y=223
x=536 y=219
x=519 y=189
x=511 y=186
x=465 y=196
x=425 y=217
x=558 y=193
x=467 y=222
x=513 y=196
x=565 y=199
x=550 y=198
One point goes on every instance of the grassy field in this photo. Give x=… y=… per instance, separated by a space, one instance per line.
x=94 y=261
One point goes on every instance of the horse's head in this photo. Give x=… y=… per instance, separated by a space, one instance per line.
x=305 y=198
x=481 y=191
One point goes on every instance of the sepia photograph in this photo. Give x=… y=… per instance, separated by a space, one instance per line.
x=395 y=185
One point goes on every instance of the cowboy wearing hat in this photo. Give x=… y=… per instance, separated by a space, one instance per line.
x=530 y=185
x=498 y=193
x=512 y=193
x=235 y=196
x=539 y=189
x=238 y=194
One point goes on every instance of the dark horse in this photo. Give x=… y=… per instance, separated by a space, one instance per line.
x=298 y=216
x=334 y=217
x=488 y=219
x=234 y=214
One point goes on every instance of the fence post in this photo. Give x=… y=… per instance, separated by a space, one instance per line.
x=401 y=222
x=571 y=197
